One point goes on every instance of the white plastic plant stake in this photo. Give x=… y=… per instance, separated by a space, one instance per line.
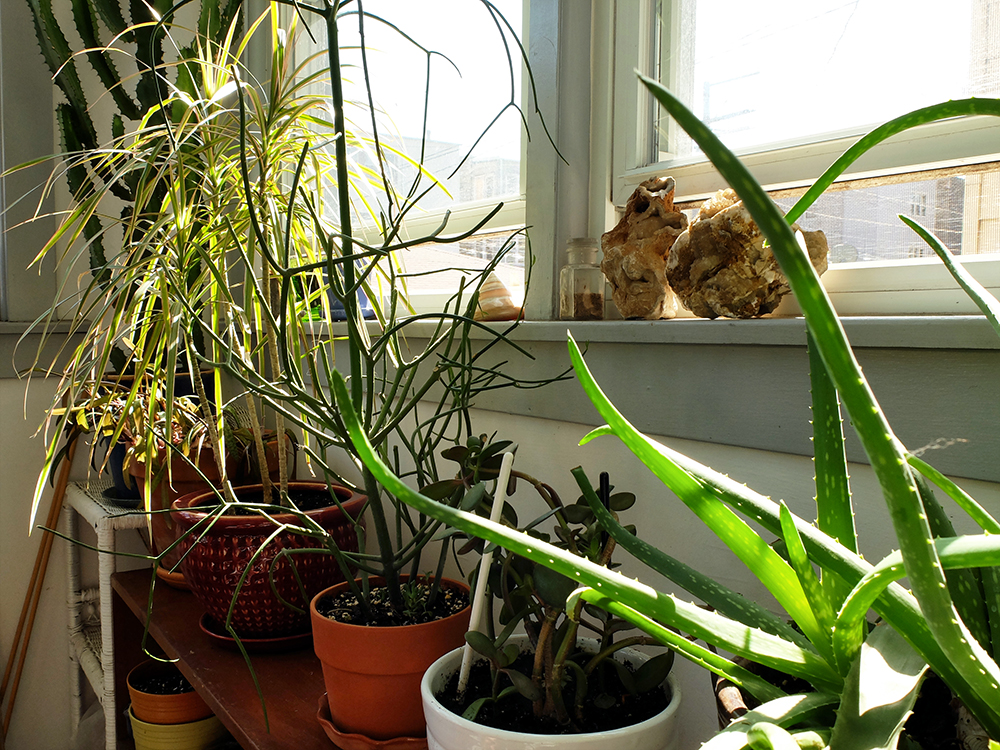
x=484 y=570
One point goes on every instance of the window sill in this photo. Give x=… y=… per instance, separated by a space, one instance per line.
x=893 y=332
x=745 y=383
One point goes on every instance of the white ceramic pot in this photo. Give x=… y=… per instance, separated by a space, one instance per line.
x=449 y=731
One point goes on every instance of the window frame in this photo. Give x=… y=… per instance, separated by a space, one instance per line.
x=900 y=287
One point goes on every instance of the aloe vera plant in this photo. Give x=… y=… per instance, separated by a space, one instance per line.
x=946 y=620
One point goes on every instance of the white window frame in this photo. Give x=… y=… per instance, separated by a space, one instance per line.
x=916 y=286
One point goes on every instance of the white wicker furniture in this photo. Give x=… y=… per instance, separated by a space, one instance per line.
x=91 y=626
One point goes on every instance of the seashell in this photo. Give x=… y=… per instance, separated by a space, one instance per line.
x=495 y=302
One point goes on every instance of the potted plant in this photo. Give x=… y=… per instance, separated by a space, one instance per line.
x=942 y=622
x=547 y=684
x=170 y=285
x=166 y=711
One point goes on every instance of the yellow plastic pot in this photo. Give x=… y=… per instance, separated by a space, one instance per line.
x=194 y=735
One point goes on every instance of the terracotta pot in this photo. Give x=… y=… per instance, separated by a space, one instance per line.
x=195 y=735
x=156 y=708
x=219 y=556
x=182 y=480
x=449 y=731
x=373 y=674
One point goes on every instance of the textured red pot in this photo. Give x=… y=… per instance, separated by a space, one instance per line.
x=219 y=557
x=373 y=674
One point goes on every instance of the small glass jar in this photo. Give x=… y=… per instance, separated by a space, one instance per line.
x=581 y=282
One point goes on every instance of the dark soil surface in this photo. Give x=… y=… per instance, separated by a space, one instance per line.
x=607 y=706
x=167 y=683
x=346 y=608
x=933 y=722
x=304 y=500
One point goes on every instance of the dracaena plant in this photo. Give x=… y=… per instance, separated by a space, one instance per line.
x=182 y=286
x=946 y=620
x=523 y=596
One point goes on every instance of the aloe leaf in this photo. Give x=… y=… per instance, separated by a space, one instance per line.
x=980 y=675
x=954 y=552
x=746 y=544
x=964 y=584
x=986 y=302
x=834 y=511
x=815 y=595
x=784 y=712
x=879 y=694
x=725 y=633
x=965 y=501
x=991 y=593
x=922 y=116
x=704 y=587
x=767 y=736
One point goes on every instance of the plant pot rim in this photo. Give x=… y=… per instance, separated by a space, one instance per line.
x=153 y=664
x=160 y=727
x=186 y=507
x=441 y=665
x=378 y=581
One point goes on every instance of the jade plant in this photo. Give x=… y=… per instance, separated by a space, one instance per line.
x=566 y=682
x=946 y=620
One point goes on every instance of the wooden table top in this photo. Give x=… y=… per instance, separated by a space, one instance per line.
x=291 y=682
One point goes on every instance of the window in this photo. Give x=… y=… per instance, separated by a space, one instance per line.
x=789 y=86
x=476 y=160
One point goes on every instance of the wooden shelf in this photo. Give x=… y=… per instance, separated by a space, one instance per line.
x=291 y=682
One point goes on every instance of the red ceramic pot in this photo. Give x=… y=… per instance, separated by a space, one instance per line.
x=182 y=480
x=373 y=674
x=219 y=557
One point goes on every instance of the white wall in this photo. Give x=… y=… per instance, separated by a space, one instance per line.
x=41 y=717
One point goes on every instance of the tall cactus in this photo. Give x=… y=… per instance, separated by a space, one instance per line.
x=101 y=25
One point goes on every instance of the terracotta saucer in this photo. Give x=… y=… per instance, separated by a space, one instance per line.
x=173 y=580
x=281 y=644
x=347 y=741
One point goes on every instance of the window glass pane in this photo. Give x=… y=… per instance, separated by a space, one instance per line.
x=442 y=99
x=782 y=71
x=461 y=88
x=860 y=218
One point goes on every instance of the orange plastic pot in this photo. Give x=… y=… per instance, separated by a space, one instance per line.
x=154 y=708
x=373 y=674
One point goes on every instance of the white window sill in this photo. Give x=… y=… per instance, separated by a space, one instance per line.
x=895 y=332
